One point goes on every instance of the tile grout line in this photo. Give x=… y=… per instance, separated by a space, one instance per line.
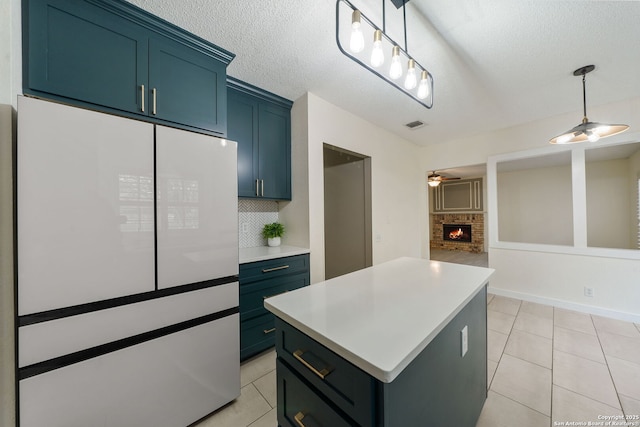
x=606 y=361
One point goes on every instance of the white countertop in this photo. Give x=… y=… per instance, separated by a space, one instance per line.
x=263 y=253
x=382 y=317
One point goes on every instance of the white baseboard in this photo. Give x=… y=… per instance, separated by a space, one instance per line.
x=599 y=311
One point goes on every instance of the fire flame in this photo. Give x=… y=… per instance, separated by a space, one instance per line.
x=457 y=234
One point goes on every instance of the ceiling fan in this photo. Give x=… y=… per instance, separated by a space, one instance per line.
x=434 y=179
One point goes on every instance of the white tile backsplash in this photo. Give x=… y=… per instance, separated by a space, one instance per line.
x=252 y=216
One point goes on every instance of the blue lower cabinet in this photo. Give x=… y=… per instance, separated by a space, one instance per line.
x=261 y=280
x=438 y=388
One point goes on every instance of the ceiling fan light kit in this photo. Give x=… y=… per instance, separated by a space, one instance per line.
x=587 y=131
x=434 y=179
x=417 y=82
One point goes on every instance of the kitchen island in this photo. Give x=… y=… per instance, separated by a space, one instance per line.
x=400 y=343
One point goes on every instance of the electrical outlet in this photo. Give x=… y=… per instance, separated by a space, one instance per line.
x=245 y=227
x=464 y=340
x=588 y=292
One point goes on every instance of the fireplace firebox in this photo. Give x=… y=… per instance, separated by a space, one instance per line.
x=456 y=232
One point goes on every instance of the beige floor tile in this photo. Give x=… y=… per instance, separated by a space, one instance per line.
x=585 y=377
x=256 y=367
x=620 y=346
x=613 y=326
x=570 y=406
x=578 y=344
x=534 y=324
x=505 y=305
x=491 y=371
x=500 y=322
x=270 y=419
x=524 y=382
x=267 y=387
x=541 y=310
x=626 y=376
x=530 y=347
x=495 y=344
x=490 y=298
x=629 y=405
x=574 y=321
x=499 y=411
x=243 y=411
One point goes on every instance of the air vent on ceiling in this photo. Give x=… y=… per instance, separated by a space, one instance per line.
x=415 y=125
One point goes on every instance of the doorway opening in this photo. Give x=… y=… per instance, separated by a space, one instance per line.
x=347 y=211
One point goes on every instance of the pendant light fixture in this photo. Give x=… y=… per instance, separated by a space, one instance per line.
x=587 y=131
x=417 y=82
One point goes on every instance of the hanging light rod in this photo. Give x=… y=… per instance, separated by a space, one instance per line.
x=587 y=131
x=354 y=26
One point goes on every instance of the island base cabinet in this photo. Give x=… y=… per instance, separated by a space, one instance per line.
x=440 y=387
x=299 y=406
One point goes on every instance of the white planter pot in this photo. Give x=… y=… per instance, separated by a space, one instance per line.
x=273 y=241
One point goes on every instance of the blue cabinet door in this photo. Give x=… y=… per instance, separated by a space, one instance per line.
x=274 y=137
x=186 y=86
x=242 y=127
x=82 y=52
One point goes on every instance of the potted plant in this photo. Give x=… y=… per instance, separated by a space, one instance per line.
x=273 y=232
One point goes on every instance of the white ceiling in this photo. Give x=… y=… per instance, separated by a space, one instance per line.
x=496 y=63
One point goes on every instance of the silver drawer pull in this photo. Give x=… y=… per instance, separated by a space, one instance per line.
x=321 y=373
x=154 y=92
x=269 y=270
x=299 y=417
x=274 y=295
x=268 y=331
x=142 y=96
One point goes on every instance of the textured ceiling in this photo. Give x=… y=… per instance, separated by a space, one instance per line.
x=496 y=63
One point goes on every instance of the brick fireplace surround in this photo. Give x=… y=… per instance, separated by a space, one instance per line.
x=477 y=232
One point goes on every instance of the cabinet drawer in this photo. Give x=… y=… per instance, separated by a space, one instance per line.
x=273 y=268
x=347 y=386
x=256 y=335
x=252 y=296
x=301 y=406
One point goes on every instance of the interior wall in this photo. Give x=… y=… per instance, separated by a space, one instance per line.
x=530 y=273
x=399 y=218
x=535 y=206
x=634 y=214
x=608 y=204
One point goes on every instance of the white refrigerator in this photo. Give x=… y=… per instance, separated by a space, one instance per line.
x=127 y=285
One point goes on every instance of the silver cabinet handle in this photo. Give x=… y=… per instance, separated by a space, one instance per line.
x=268 y=331
x=257 y=187
x=262 y=187
x=268 y=270
x=142 y=97
x=154 y=94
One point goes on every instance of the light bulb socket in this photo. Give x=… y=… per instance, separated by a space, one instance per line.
x=412 y=64
x=423 y=75
x=395 y=51
x=355 y=17
x=377 y=36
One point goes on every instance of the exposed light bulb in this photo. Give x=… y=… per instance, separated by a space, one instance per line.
x=593 y=137
x=411 y=80
x=377 y=54
x=563 y=139
x=424 y=89
x=356 y=44
x=395 y=71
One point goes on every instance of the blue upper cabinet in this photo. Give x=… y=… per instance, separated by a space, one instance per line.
x=261 y=124
x=115 y=57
